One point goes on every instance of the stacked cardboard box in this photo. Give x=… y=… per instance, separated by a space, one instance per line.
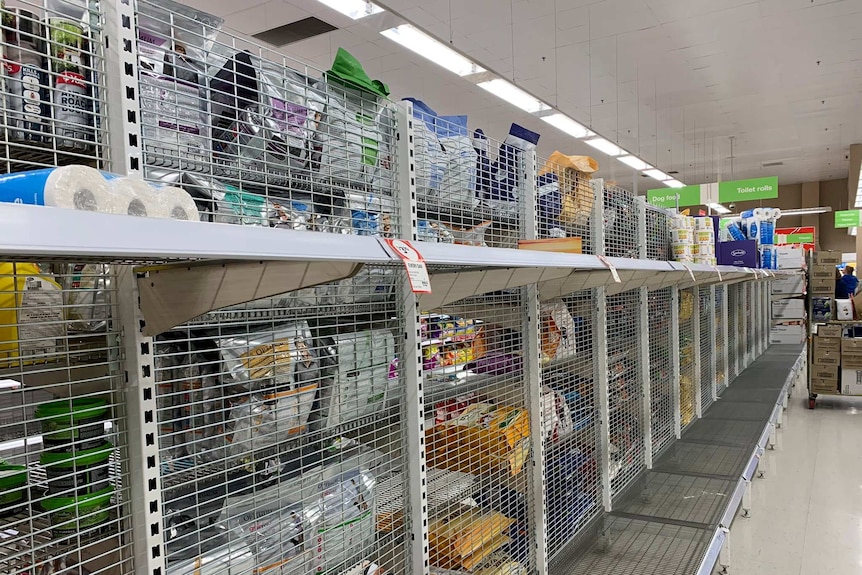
x=791 y=331
x=826 y=358
x=821 y=276
x=788 y=309
x=851 y=366
x=789 y=285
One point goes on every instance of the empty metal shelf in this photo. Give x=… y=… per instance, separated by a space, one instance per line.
x=684 y=499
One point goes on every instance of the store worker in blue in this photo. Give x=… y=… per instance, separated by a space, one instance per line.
x=847 y=285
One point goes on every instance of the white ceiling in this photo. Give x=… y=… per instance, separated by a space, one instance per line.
x=669 y=80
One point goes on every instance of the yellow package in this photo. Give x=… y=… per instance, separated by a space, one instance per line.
x=31 y=315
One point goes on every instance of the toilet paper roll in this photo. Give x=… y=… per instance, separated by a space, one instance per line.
x=678 y=222
x=704 y=237
x=776 y=214
x=703 y=250
x=686 y=259
x=761 y=213
x=682 y=250
x=703 y=224
x=71 y=187
x=132 y=197
x=175 y=204
x=705 y=260
x=682 y=236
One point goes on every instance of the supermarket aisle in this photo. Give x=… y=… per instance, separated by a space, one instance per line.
x=807 y=512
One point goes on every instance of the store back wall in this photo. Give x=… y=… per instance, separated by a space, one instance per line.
x=832 y=193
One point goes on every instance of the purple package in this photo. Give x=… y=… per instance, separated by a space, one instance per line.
x=496 y=364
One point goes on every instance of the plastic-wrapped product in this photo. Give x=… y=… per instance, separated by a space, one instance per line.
x=356 y=380
x=25 y=76
x=383 y=173
x=225 y=203
x=468 y=236
x=508 y=170
x=369 y=285
x=346 y=511
x=431 y=160
x=232 y=559
x=558 y=331
x=32 y=325
x=557 y=417
x=87 y=293
x=346 y=134
x=573 y=175
x=173 y=42
x=291 y=214
x=459 y=184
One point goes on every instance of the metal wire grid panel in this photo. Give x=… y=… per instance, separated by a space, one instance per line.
x=732 y=331
x=281 y=442
x=64 y=484
x=661 y=369
x=686 y=356
x=658 y=222
x=260 y=139
x=478 y=432
x=53 y=91
x=721 y=370
x=620 y=223
x=707 y=350
x=747 y=320
x=471 y=189
x=573 y=484
x=638 y=547
x=625 y=390
x=565 y=202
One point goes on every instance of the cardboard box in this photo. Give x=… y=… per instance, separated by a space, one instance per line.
x=741 y=254
x=822 y=309
x=851 y=361
x=827 y=258
x=829 y=282
x=851 y=346
x=563 y=245
x=843 y=309
x=829 y=330
x=824 y=386
x=821 y=271
x=789 y=285
x=851 y=382
x=822 y=290
x=827 y=343
x=790 y=257
x=826 y=357
x=787 y=332
x=788 y=309
x=825 y=372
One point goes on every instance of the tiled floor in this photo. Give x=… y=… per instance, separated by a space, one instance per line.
x=807 y=511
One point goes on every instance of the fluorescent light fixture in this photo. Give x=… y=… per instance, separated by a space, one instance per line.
x=514 y=95
x=417 y=41
x=605 y=147
x=718 y=208
x=354 y=9
x=657 y=175
x=635 y=162
x=567 y=125
x=674 y=184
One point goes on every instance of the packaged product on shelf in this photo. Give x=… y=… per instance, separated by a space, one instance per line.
x=355 y=375
x=24 y=75
x=557 y=422
x=344 y=512
x=558 y=331
x=434 y=232
x=508 y=167
x=465 y=539
x=346 y=106
x=369 y=285
x=482 y=439
x=576 y=196
x=173 y=43
x=549 y=206
x=224 y=203
x=431 y=160
x=232 y=559
x=468 y=235
x=32 y=322
x=70 y=71
x=87 y=296
x=458 y=187
x=71 y=187
x=364 y=568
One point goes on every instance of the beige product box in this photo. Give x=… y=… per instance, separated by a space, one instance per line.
x=827 y=386
x=851 y=346
x=833 y=258
x=829 y=330
x=828 y=282
x=851 y=382
x=827 y=343
x=790 y=257
x=821 y=271
x=825 y=372
x=789 y=285
x=792 y=332
x=825 y=357
x=788 y=309
x=822 y=290
x=851 y=361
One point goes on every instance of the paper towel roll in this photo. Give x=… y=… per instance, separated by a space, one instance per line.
x=132 y=197
x=72 y=187
x=704 y=237
x=682 y=236
x=703 y=249
x=175 y=204
x=678 y=222
x=705 y=260
x=682 y=250
x=776 y=214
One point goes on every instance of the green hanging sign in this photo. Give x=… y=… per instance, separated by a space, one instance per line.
x=848 y=218
x=746 y=190
x=667 y=197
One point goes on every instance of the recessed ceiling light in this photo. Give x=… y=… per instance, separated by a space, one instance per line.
x=417 y=41
x=354 y=9
x=567 y=125
x=605 y=146
x=674 y=184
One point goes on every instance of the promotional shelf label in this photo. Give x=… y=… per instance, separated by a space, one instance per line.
x=414 y=263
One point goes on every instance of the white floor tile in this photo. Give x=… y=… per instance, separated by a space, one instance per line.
x=807 y=511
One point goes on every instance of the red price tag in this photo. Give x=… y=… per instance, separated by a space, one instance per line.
x=414 y=263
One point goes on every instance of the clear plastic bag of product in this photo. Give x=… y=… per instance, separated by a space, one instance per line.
x=431 y=160
x=87 y=293
x=458 y=188
x=280 y=359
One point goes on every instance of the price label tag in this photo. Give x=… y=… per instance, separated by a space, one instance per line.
x=614 y=273
x=414 y=263
x=690 y=272
x=718 y=271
